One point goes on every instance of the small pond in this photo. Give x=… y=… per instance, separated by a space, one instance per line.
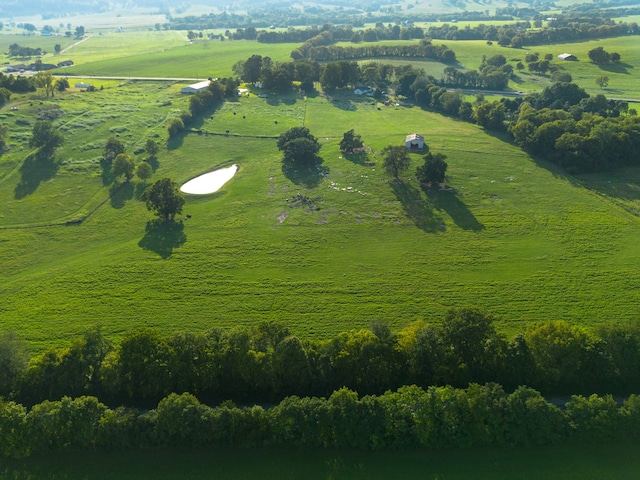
x=209 y=182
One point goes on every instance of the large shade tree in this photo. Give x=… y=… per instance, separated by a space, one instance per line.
x=45 y=137
x=433 y=170
x=164 y=198
x=396 y=160
x=350 y=141
x=299 y=146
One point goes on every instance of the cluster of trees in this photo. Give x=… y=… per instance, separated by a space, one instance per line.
x=267 y=362
x=424 y=50
x=411 y=417
x=19 y=84
x=278 y=76
x=123 y=165
x=16 y=50
x=600 y=56
x=519 y=34
x=494 y=74
x=5 y=96
x=588 y=143
x=204 y=102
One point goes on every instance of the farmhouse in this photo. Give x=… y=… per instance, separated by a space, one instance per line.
x=567 y=56
x=82 y=85
x=414 y=142
x=21 y=67
x=196 y=87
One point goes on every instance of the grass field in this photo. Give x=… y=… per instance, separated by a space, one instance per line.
x=619 y=462
x=519 y=237
x=151 y=53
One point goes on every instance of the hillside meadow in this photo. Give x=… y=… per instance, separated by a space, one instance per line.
x=322 y=251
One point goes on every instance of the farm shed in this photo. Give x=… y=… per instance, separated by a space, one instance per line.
x=414 y=142
x=82 y=85
x=567 y=56
x=195 y=87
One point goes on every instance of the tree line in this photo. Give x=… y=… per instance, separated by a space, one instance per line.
x=267 y=362
x=409 y=418
x=16 y=50
x=519 y=34
x=19 y=84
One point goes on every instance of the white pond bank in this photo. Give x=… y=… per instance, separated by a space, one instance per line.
x=209 y=182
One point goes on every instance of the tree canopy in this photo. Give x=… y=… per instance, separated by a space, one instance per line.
x=396 y=160
x=164 y=198
x=433 y=170
x=124 y=166
x=351 y=141
x=45 y=137
x=299 y=146
x=113 y=148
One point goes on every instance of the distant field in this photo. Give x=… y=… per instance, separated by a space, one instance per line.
x=618 y=462
x=168 y=59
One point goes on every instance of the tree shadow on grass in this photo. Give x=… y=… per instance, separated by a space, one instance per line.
x=176 y=140
x=308 y=176
x=36 y=168
x=278 y=99
x=107 y=173
x=119 y=193
x=416 y=207
x=454 y=207
x=619 y=67
x=162 y=237
x=154 y=163
x=359 y=158
x=139 y=190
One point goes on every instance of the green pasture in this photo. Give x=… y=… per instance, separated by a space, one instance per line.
x=168 y=54
x=619 y=462
x=153 y=57
x=624 y=78
x=517 y=237
x=47 y=44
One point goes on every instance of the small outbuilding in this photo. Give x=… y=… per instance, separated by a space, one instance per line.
x=567 y=56
x=195 y=87
x=82 y=85
x=414 y=142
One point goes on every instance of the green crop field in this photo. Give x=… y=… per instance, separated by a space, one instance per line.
x=619 y=462
x=517 y=236
x=151 y=57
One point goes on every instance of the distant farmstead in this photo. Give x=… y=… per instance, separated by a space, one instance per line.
x=82 y=85
x=196 y=87
x=414 y=142
x=567 y=56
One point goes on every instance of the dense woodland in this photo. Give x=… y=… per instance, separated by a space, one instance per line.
x=266 y=363
x=411 y=417
x=315 y=385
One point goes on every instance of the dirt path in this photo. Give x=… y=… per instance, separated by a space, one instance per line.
x=74 y=44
